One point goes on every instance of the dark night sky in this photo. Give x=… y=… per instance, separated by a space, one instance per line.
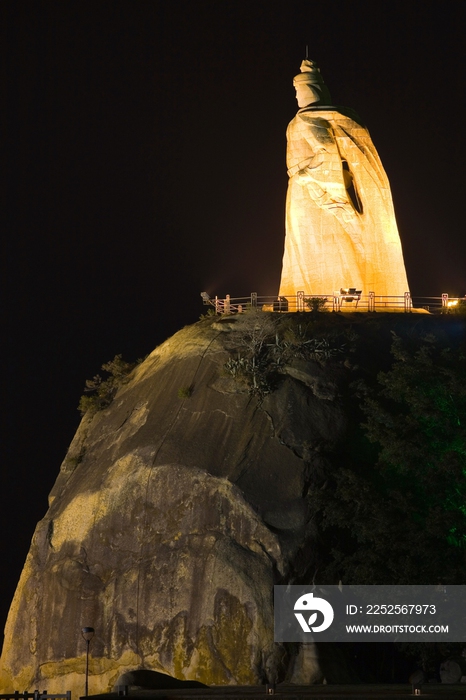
x=145 y=150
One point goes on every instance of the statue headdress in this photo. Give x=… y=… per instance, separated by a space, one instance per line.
x=310 y=74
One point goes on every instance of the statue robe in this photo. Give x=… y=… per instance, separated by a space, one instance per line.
x=340 y=222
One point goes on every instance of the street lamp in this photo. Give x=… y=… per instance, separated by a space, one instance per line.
x=87 y=634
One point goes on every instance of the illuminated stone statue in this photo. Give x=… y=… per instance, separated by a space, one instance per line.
x=340 y=223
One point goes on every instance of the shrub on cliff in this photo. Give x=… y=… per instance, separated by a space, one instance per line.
x=98 y=392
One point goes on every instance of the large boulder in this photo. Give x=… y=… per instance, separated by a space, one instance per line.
x=175 y=511
x=152 y=680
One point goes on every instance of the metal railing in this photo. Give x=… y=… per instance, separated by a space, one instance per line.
x=345 y=300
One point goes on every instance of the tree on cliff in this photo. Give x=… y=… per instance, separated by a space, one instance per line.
x=403 y=519
x=98 y=392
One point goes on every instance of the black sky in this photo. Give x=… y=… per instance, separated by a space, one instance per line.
x=145 y=152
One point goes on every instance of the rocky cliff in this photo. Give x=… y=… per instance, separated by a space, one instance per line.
x=177 y=508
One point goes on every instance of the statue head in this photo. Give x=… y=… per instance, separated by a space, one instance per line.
x=310 y=86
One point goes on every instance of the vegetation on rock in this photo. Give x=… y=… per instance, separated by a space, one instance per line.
x=397 y=513
x=98 y=392
x=185 y=392
x=315 y=304
x=263 y=343
x=208 y=314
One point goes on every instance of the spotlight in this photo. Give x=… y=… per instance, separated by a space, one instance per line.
x=205 y=298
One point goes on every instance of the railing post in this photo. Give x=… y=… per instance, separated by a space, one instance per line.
x=227 y=304
x=371 y=302
x=444 y=300
x=253 y=300
x=299 y=301
x=407 y=302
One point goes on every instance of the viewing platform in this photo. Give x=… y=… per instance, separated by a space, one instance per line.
x=345 y=300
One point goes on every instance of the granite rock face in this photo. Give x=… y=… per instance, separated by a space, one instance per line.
x=173 y=515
